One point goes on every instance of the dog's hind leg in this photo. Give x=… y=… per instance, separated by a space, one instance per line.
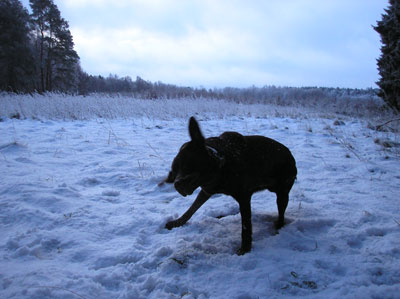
x=247 y=231
x=200 y=200
x=282 y=199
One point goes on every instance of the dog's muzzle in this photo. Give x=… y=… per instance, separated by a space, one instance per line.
x=186 y=185
x=171 y=177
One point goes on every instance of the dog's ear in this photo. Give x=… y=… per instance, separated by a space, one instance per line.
x=195 y=133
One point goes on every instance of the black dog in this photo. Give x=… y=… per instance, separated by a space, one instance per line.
x=234 y=165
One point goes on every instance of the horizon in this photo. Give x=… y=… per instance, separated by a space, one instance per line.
x=299 y=43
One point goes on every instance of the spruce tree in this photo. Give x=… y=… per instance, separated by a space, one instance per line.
x=56 y=58
x=389 y=61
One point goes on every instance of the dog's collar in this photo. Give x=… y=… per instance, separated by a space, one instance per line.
x=215 y=153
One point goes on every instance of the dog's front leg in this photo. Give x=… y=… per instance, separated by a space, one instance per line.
x=200 y=200
x=245 y=212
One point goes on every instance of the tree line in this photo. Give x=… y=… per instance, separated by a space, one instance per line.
x=37 y=55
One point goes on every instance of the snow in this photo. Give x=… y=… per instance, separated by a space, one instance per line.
x=82 y=215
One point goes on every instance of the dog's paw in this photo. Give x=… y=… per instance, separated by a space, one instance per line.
x=279 y=224
x=169 y=225
x=174 y=223
x=243 y=250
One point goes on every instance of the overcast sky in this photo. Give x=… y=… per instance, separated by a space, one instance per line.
x=217 y=43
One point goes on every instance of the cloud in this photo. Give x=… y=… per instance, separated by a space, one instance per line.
x=84 y=3
x=134 y=48
x=293 y=42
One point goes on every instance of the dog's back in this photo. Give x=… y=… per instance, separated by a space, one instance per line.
x=254 y=162
x=270 y=163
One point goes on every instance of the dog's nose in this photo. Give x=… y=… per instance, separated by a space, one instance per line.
x=171 y=177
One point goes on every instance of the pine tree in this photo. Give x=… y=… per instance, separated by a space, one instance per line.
x=16 y=63
x=56 y=57
x=389 y=61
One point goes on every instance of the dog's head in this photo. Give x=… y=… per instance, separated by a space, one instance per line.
x=196 y=163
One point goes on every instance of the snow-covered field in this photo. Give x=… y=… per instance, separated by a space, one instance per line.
x=82 y=215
